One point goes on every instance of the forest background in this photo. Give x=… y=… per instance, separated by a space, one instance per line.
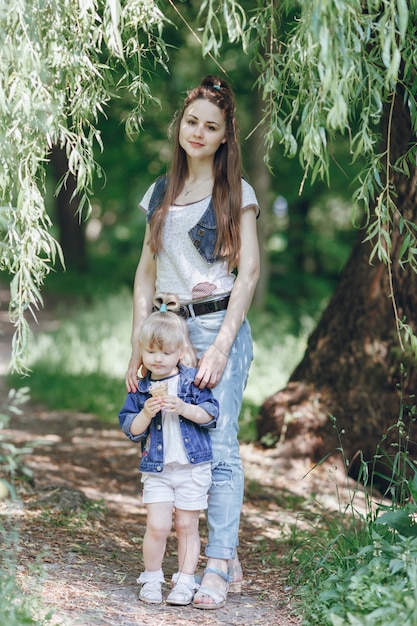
x=326 y=91
x=305 y=238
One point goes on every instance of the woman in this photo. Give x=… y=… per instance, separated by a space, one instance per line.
x=201 y=226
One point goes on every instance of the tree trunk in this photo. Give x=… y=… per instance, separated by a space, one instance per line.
x=352 y=366
x=71 y=228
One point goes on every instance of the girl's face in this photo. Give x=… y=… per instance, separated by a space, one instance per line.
x=202 y=129
x=161 y=362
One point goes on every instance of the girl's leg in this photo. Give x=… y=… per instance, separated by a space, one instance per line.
x=158 y=527
x=186 y=526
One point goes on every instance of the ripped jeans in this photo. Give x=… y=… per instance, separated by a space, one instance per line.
x=226 y=492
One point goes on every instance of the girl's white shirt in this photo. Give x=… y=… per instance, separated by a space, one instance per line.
x=180 y=269
x=174 y=451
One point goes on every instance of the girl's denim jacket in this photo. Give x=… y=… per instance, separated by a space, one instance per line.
x=203 y=234
x=196 y=437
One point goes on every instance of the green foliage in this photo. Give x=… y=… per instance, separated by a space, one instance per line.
x=332 y=68
x=80 y=365
x=17 y=608
x=373 y=583
x=59 y=66
x=326 y=70
x=11 y=455
x=361 y=568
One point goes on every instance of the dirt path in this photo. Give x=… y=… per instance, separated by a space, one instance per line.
x=82 y=521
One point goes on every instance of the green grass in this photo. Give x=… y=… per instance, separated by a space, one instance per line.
x=17 y=606
x=355 y=575
x=361 y=569
x=80 y=364
x=353 y=570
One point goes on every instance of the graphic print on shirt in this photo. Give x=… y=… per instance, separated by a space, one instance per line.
x=147 y=446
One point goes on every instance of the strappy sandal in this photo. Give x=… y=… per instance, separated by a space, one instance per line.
x=234 y=569
x=217 y=595
x=151 y=593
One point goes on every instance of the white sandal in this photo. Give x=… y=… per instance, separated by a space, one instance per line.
x=234 y=569
x=217 y=595
x=151 y=590
x=184 y=589
x=181 y=595
x=151 y=593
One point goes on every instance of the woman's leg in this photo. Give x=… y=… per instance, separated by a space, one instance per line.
x=226 y=493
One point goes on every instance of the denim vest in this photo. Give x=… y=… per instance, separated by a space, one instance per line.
x=203 y=234
x=196 y=437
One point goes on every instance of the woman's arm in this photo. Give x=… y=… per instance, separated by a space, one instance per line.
x=214 y=360
x=143 y=293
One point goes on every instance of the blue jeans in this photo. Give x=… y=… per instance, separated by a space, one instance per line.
x=226 y=492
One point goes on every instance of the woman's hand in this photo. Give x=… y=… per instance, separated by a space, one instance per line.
x=131 y=376
x=211 y=367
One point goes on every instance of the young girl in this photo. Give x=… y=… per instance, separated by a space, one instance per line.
x=201 y=243
x=171 y=417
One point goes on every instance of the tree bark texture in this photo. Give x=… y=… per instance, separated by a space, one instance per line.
x=71 y=228
x=352 y=366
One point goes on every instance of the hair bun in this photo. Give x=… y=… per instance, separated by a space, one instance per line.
x=211 y=82
x=168 y=302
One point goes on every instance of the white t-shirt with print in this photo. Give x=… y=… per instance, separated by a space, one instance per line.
x=174 y=451
x=180 y=269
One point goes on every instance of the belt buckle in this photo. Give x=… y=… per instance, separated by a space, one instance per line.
x=184 y=311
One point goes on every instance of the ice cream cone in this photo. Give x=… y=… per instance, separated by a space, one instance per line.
x=159 y=388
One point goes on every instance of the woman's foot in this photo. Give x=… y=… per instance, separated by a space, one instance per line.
x=234 y=569
x=214 y=586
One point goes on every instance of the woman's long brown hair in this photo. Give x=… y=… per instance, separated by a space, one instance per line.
x=227 y=171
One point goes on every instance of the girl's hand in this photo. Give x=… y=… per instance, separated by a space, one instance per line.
x=151 y=407
x=210 y=367
x=172 y=404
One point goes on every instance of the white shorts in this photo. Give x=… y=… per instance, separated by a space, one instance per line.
x=186 y=486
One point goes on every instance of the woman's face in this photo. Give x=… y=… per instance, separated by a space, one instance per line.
x=202 y=129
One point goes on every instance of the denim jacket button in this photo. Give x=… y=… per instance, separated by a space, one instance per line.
x=159 y=447
x=197 y=243
x=192 y=460
x=158 y=468
x=159 y=427
x=186 y=440
x=200 y=232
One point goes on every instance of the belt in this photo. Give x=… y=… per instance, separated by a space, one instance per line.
x=193 y=309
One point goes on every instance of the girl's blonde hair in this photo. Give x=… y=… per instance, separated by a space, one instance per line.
x=165 y=328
